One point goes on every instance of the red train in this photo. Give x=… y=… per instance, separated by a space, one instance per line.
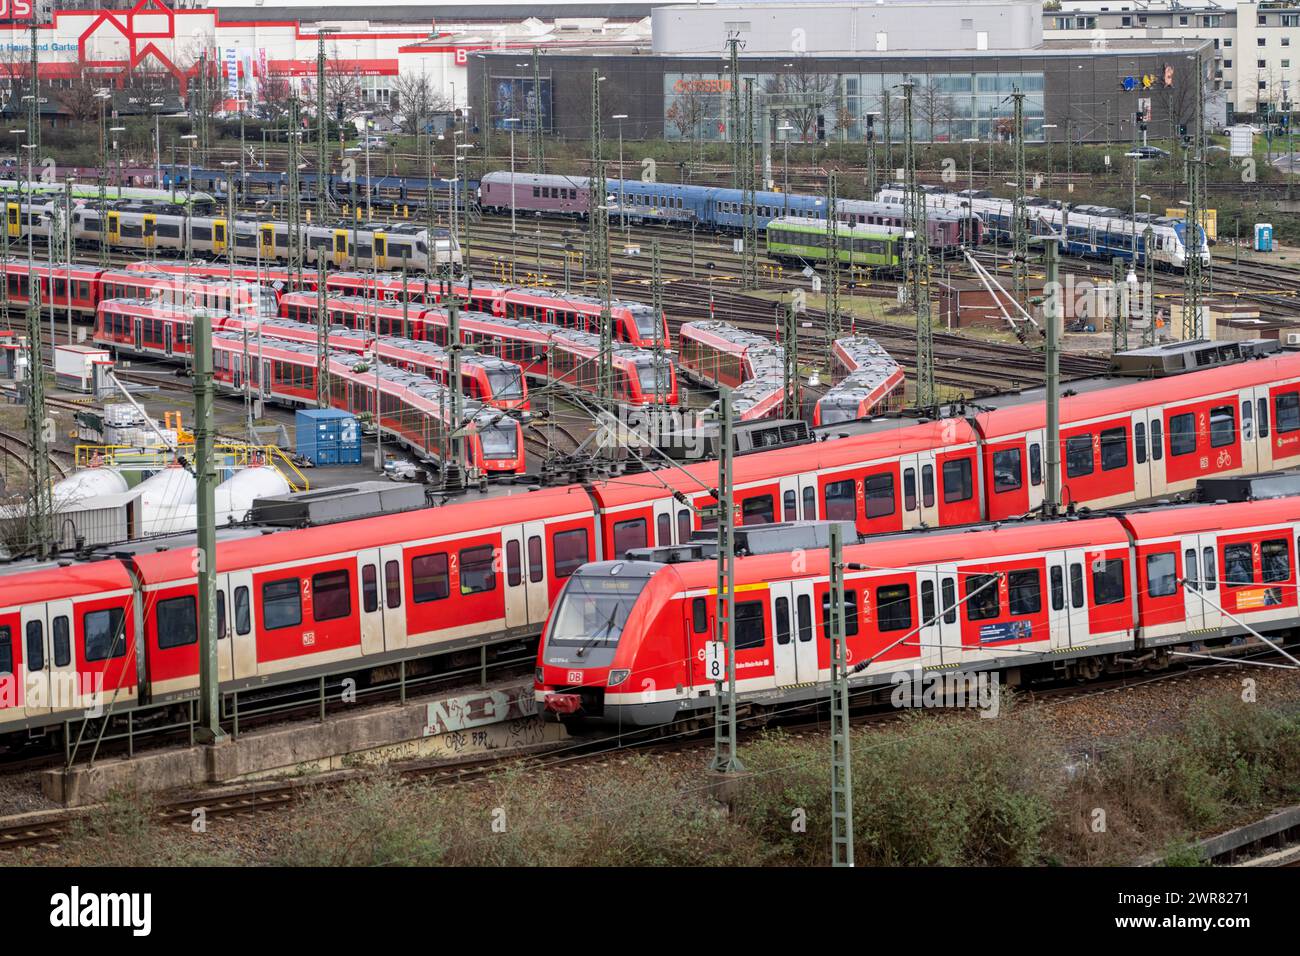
x=719 y=354
x=90 y=285
x=541 y=350
x=415 y=410
x=142 y=327
x=627 y=641
x=867 y=382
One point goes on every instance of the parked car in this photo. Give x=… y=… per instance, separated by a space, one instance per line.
x=374 y=142
x=1147 y=152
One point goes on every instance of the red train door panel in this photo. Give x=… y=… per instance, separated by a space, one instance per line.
x=1201 y=588
x=794 y=644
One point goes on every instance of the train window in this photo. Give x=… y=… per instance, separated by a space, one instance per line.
x=782 y=618
x=956 y=481
x=177 y=622
x=6 y=651
x=909 y=489
x=221 y=615
x=1162 y=576
x=750 y=630
x=803 y=605
x=1182 y=434
x=927 y=486
x=982 y=597
x=369 y=588
x=1247 y=420
x=879 y=495
x=200 y=232
x=1024 y=594
x=35 y=646
x=1076 y=586
x=894 y=607
x=569 y=551
x=1078 y=456
x=243 y=619
x=850 y=613
x=1114 y=449
x=1057 y=581
x=1006 y=470
x=102 y=633
x=1223 y=426
x=62 y=641
x=477 y=574
x=927 y=602
x=664 y=530
x=810 y=504
x=1238 y=565
x=1140 y=442
x=392 y=584
x=281 y=604
x=537 y=192
x=1261 y=407
x=514 y=564
x=629 y=534
x=1275 y=560
x=1108 y=581
x=839 y=501
x=757 y=510
x=333 y=595
x=790 y=505
x=1157 y=441
x=1190 y=567
x=948 y=591
x=1288 y=412
x=699 y=615
x=429 y=580
x=683 y=526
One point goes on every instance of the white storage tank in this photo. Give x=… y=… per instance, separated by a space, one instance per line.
x=88 y=483
x=166 y=501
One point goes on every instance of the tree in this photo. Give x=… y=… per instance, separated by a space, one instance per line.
x=935 y=108
x=801 y=95
x=78 y=101
x=415 y=101
x=686 y=112
x=343 y=99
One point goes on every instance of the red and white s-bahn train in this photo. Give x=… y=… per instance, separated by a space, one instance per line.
x=867 y=382
x=539 y=349
x=144 y=327
x=292 y=605
x=414 y=410
x=719 y=354
x=634 y=322
x=626 y=643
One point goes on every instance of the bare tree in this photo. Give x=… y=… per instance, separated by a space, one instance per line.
x=342 y=89
x=935 y=108
x=275 y=93
x=801 y=96
x=416 y=101
x=78 y=101
x=687 y=111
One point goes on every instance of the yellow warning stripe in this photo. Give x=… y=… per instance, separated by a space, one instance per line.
x=741 y=588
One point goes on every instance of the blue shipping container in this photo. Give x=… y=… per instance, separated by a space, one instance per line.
x=323 y=432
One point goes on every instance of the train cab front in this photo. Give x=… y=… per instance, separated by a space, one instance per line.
x=590 y=643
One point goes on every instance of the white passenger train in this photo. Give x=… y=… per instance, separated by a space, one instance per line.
x=1096 y=231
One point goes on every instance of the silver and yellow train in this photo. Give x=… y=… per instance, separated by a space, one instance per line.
x=146 y=229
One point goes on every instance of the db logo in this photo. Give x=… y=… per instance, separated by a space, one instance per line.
x=574 y=677
x=701 y=654
x=13 y=9
x=462 y=57
x=308 y=637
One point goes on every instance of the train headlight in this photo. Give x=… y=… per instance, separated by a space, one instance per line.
x=617 y=677
x=539 y=675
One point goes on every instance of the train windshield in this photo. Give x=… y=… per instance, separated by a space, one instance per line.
x=499 y=440
x=649 y=379
x=592 y=611
x=505 y=383
x=645 y=323
x=834 y=412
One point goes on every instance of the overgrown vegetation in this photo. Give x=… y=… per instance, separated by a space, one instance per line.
x=945 y=790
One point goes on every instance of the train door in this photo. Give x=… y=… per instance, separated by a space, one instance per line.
x=381 y=250
x=794 y=648
x=139 y=334
x=51 y=680
x=797 y=490
x=266 y=234
x=114 y=228
x=238 y=587
x=340 y=247
x=169 y=330
x=1077 y=571
x=394 y=615
x=1153 y=430
x=512 y=558
x=218 y=235
x=1035 y=442
x=1262 y=429
x=33 y=638
x=372 y=601
x=940 y=632
x=1142 y=488
x=13 y=220
x=662 y=510
x=1201 y=594
x=264 y=380
x=1058 y=599
x=535 y=565
x=926 y=511
x=148 y=230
